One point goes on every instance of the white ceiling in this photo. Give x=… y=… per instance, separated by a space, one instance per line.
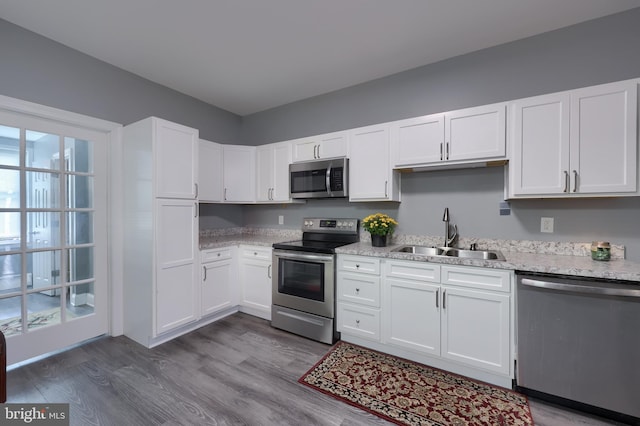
x=246 y=56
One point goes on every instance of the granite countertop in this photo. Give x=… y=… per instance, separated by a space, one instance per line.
x=563 y=264
x=528 y=256
x=216 y=238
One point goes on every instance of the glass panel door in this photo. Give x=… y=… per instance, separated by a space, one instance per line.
x=52 y=235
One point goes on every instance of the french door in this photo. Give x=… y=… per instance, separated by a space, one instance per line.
x=53 y=234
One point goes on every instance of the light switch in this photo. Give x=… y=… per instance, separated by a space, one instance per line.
x=546 y=224
x=280 y=220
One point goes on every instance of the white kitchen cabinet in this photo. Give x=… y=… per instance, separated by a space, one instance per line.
x=411 y=314
x=255 y=277
x=210 y=172
x=579 y=143
x=475 y=328
x=239 y=174
x=319 y=147
x=161 y=225
x=452 y=139
x=218 y=288
x=358 y=297
x=175 y=157
x=272 y=164
x=458 y=318
x=176 y=289
x=371 y=177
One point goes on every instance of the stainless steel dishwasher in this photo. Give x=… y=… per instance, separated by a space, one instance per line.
x=578 y=343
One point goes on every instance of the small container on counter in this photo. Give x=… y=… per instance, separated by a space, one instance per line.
x=600 y=250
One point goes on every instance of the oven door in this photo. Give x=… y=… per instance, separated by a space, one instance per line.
x=304 y=281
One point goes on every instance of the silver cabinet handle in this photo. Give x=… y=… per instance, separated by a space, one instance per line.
x=196 y=185
x=269 y=271
x=444 y=299
x=447 y=151
x=357 y=291
x=386 y=185
x=441 y=152
x=575 y=181
x=225 y=194
x=195 y=213
x=204 y=270
x=318 y=150
x=437 y=297
x=566 y=181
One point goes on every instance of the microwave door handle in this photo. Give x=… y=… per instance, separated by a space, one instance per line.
x=328 y=182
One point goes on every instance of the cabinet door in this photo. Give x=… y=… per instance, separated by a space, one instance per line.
x=176 y=160
x=476 y=133
x=209 y=171
x=412 y=315
x=370 y=175
x=239 y=173
x=604 y=139
x=417 y=141
x=539 y=139
x=216 y=291
x=475 y=328
x=255 y=275
x=264 y=172
x=332 y=145
x=281 y=161
x=176 y=262
x=304 y=149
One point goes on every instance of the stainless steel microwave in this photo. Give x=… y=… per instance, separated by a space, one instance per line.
x=320 y=179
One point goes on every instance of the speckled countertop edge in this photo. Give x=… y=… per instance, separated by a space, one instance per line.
x=562 y=264
x=528 y=256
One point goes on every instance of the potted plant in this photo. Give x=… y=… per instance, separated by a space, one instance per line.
x=379 y=225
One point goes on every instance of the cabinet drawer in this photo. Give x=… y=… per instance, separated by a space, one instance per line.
x=359 y=288
x=260 y=253
x=215 y=254
x=488 y=279
x=412 y=270
x=359 y=321
x=361 y=264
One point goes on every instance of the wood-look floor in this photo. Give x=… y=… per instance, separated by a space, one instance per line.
x=237 y=371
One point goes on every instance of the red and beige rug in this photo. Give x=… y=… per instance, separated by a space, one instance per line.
x=408 y=393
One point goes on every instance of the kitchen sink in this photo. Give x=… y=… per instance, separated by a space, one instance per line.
x=451 y=252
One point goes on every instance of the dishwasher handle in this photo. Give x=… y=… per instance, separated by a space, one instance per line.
x=581 y=288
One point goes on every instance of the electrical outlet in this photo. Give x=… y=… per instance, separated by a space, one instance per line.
x=546 y=224
x=280 y=220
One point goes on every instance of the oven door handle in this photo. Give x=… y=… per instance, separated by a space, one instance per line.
x=305 y=256
x=586 y=289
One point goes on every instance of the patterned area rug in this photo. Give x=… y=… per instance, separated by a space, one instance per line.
x=408 y=393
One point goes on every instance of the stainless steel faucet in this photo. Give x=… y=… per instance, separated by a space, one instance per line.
x=448 y=238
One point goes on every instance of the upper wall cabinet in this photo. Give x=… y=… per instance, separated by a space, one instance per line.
x=239 y=175
x=580 y=143
x=176 y=152
x=272 y=176
x=452 y=139
x=209 y=171
x=371 y=177
x=329 y=145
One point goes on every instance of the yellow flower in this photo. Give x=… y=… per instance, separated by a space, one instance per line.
x=379 y=224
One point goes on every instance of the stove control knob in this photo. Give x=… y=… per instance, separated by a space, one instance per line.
x=340 y=224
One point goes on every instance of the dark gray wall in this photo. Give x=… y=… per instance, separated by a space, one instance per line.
x=594 y=52
x=37 y=69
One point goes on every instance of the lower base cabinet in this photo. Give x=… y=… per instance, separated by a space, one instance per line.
x=457 y=318
x=218 y=290
x=255 y=277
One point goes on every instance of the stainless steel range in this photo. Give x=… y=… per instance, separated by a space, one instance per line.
x=304 y=278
